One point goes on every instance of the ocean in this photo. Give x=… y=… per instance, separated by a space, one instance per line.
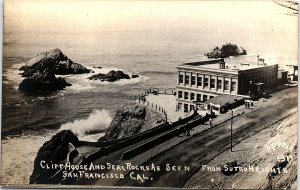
x=152 y=53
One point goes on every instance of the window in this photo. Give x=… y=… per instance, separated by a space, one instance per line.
x=180 y=78
x=199 y=81
x=198 y=97
x=233 y=86
x=186 y=95
x=192 y=107
x=187 y=79
x=226 y=86
x=186 y=106
x=179 y=94
x=192 y=96
x=219 y=84
x=210 y=97
x=204 y=97
x=213 y=83
x=193 y=80
x=179 y=106
x=205 y=82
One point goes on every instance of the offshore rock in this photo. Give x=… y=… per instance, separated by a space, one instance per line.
x=132 y=119
x=41 y=69
x=111 y=76
x=227 y=50
x=68 y=67
x=42 y=82
x=134 y=76
x=53 y=151
x=55 y=61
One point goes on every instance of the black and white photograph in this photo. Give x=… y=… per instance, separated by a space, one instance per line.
x=149 y=94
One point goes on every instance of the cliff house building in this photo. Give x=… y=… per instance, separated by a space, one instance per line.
x=201 y=81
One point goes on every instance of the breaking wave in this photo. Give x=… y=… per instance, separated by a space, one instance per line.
x=23 y=147
x=98 y=120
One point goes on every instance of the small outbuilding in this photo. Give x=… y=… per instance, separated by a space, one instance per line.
x=221 y=104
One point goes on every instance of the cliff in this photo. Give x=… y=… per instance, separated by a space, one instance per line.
x=227 y=50
x=132 y=119
x=53 y=151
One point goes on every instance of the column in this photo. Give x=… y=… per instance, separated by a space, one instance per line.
x=190 y=79
x=216 y=83
x=237 y=86
x=196 y=80
x=178 y=76
x=230 y=85
x=223 y=83
x=203 y=76
x=209 y=81
x=184 y=78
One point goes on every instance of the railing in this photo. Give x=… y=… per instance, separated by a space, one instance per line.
x=141 y=98
x=140 y=136
x=163 y=138
x=107 y=147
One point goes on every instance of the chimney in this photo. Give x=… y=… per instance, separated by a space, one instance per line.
x=222 y=63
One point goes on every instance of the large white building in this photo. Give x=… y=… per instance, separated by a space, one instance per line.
x=201 y=81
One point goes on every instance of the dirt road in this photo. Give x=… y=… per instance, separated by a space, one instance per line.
x=204 y=147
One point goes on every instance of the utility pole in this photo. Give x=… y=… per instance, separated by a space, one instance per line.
x=231 y=130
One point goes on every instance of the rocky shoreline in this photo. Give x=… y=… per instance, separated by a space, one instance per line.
x=53 y=151
x=132 y=119
x=129 y=120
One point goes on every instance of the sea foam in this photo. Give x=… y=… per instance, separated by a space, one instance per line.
x=18 y=154
x=12 y=75
x=82 y=83
x=98 y=120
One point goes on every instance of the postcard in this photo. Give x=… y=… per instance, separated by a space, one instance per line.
x=150 y=94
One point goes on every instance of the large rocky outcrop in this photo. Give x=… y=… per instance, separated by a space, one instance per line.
x=42 y=82
x=132 y=119
x=56 y=61
x=53 y=152
x=41 y=69
x=227 y=50
x=111 y=76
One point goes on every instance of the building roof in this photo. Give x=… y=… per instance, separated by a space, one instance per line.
x=223 y=99
x=231 y=65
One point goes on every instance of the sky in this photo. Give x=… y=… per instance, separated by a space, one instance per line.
x=92 y=15
x=258 y=25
